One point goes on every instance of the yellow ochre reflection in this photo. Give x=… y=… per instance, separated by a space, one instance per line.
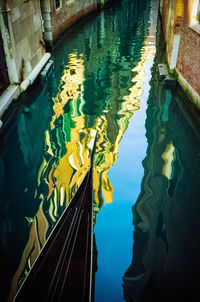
x=60 y=173
x=106 y=152
x=68 y=146
x=168 y=157
x=71 y=85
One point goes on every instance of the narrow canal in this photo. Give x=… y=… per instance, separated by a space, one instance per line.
x=146 y=165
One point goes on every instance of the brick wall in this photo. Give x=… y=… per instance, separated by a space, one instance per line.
x=176 y=20
x=70 y=12
x=188 y=63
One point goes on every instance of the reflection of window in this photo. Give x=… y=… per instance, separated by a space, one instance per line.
x=195 y=17
x=58 y=4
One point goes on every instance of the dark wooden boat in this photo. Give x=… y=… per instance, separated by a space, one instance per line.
x=63 y=270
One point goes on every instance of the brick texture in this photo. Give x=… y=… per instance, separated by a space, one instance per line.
x=189 y=57
x=177 y=22
x=70 y=13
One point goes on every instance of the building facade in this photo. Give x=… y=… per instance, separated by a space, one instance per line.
x=59 y=15
x=181 y=29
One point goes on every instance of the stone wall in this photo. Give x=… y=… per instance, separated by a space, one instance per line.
x=25 y=31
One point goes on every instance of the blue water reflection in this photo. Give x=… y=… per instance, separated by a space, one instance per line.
x=165 y=262
x=113 y=229
x=96 y=86
x=101 y=83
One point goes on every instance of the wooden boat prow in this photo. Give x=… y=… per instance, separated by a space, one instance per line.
x=63 y=270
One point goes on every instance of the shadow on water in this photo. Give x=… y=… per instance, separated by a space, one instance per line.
x=166 y=216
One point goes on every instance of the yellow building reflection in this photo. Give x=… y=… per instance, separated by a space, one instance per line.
x=168 y=156
x=68 y=147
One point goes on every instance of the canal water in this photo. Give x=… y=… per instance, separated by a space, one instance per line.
x=146 y=181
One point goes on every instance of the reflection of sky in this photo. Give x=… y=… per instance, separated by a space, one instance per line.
x=114 y=231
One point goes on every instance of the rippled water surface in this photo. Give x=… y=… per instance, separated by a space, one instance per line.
x=146 y=164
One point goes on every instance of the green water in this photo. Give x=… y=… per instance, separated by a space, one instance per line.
x=146 y=164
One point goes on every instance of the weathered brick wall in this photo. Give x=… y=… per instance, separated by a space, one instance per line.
x=188 y=60
x=189 y=57
x=70 y=12
x=25 y=27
